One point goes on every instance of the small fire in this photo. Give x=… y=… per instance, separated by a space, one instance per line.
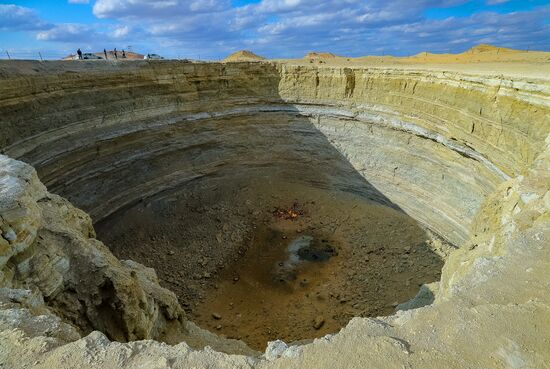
x=289 y=214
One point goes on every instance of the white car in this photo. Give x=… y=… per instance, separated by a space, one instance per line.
x=153 y=57
x=90 y=56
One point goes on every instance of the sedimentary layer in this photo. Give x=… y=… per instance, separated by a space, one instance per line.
x=463 y=154
x=434 y=143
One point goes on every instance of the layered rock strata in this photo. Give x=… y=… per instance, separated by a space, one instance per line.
x=65 y=122
x=49 y=247
x=465 y=155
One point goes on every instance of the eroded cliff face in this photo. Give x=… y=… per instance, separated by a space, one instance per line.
x=425 y=137
x=50 y=246
x=464 y=155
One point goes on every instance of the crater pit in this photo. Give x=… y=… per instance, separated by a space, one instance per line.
x=238 y=204
x=265 y=258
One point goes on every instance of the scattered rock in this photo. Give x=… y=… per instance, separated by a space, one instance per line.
x=318 y=322
x=275 y=349
x=216 y=316
x=9 y=235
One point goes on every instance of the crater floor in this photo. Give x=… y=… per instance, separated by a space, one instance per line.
x=231 y=252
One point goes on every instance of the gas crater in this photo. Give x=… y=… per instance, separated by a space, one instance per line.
x=233 y=205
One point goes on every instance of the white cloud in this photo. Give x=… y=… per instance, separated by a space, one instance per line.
x=148 y=9
x=69 y=32
x=19 y=18
x=273 y=6
x=121 y=32
x=92 y=35
x=289 y=28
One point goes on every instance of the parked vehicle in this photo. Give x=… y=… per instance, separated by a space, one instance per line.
x=90 y=56
x=153 y=56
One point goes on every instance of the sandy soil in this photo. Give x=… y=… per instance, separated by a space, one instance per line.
x=482 y=59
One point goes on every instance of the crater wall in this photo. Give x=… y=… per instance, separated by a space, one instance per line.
x=434 y=143
x=465 y=155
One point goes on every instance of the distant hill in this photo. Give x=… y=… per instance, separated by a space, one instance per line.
x=484 y=48
x=478 y=49
x=425 y=53
x=319 y=55
x=243 y=55
x=110 y=55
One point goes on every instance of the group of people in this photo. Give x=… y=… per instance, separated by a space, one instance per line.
x=79 y=53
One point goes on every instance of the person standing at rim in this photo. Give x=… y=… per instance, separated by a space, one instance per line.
x=79 y=54
x=116 y=56
x=123 y=54
x=105 y=53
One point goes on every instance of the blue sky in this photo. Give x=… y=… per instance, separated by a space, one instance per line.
x=211 y=29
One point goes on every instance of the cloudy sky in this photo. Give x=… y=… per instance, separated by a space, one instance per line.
x=211 y=29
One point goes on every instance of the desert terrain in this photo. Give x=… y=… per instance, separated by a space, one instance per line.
x=256 y=213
